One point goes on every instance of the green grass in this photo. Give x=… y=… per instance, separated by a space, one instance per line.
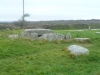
x=28 y=57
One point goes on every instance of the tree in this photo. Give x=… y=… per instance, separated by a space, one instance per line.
x=26 y=15
x=23 y=20
x=19 y=23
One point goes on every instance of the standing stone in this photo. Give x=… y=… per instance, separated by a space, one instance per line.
x=68 y=36
x=78 y=50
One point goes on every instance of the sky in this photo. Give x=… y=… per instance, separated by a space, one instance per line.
x=42 y=10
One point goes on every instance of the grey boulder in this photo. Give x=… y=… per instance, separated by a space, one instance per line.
x=68 y=36
x=52 y=36
x=34 y=36
x=25 y=35
x=78 y=50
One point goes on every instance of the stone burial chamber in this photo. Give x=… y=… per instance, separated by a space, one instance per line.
x=48 y=34
x=35 y=33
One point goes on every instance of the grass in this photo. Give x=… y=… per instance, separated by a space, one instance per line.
x=28 y=57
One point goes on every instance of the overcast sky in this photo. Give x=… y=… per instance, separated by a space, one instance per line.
x=11 y=10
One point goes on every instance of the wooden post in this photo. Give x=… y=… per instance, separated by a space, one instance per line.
x=89 y=28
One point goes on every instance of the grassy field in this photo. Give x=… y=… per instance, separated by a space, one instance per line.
x=29 y=57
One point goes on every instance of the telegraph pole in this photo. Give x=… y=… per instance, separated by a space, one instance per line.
x=23 y=16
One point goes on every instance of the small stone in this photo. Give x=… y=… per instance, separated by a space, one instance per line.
x=13 y=36
x=82 y=40
x=98 y=32
x=68 y=36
